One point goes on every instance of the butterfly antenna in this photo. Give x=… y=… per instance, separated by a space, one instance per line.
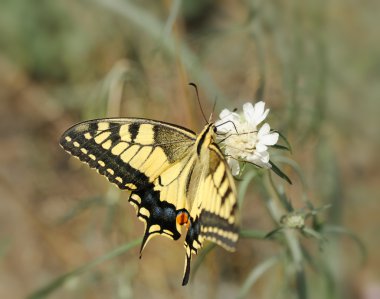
x=199 y=102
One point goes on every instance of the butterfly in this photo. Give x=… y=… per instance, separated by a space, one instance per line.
x=174 y=176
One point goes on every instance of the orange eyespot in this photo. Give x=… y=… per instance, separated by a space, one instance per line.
x=183 y=218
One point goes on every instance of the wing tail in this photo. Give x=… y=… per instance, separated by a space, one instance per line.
x=186 y=272
x=159 y=216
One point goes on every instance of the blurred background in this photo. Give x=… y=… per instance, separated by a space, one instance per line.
x=315 y=64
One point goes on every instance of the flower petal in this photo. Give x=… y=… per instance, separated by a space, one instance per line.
x=249 y=112
x=264 y=130
x=270 y=139
x=264 y=157
x=234 y=165
x=225 y=114
x=260 y=159
x=261 y=147
x=227 y=121
x=252 y=142
x=259 y=113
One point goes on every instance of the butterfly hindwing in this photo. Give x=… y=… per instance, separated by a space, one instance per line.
x=214 y=211
x=218 y=215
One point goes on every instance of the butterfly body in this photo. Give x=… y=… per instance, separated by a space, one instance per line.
x=175 y=177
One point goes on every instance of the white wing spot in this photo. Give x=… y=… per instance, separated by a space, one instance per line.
x=143 y=211
x=132 y=187
x=135 y=196
x=154 y=228
x=168 y=232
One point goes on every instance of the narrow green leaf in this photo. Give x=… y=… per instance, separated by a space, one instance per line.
x=294 y=165
x=150 y=25
x=243 y=186
x=355 y=238
x=312 y=233
x=82 y=206
x=279 y=172
x=59 y=281
x=255 y=274
x=288 y=146
x=202 y=255
x=273 y=232
x=280 y=194
x=252 y=234
x=280 y=147
x=301 y=285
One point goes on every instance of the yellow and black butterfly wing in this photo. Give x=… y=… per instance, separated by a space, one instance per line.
x=174 y=176
x=214 y=211
x=133 y=153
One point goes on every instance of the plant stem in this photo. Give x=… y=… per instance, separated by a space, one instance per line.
x=291 y=239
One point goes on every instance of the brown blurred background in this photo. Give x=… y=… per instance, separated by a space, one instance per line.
x=316 y=65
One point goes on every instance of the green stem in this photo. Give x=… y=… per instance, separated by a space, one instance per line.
x=291 y=239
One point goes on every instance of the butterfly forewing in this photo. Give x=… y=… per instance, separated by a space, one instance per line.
x=130 y=152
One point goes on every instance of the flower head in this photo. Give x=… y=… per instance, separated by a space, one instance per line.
x=293 y=220
x=241 y=137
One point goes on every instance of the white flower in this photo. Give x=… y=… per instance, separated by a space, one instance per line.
x=241 y=137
